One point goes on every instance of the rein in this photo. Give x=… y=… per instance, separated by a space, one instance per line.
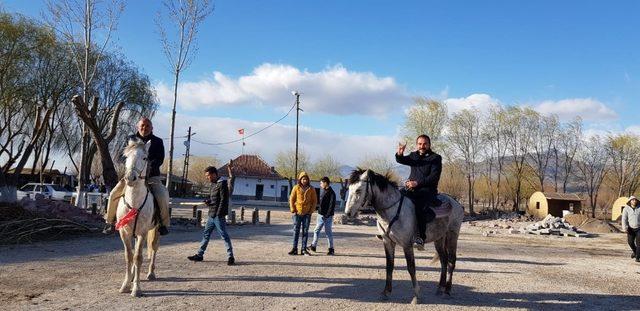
x=395 y=217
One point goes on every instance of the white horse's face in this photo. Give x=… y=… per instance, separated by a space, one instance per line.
x=359 y=193
x=136 y=164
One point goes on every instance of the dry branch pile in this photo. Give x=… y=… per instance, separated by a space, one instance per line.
x=43 y=219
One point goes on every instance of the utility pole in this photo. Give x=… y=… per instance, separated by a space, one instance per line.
x=297 y=95
x=185 y=167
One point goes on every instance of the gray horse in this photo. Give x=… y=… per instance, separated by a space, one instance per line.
x=397 y=225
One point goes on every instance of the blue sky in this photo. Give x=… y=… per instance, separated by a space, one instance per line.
x=568 y=57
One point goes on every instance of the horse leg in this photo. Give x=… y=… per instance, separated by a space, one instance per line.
x=152 y=248
x=411 y=267
x=128 y=258
x=137 y=263
x=451 y=247
x=442 y=253
x=389 y=252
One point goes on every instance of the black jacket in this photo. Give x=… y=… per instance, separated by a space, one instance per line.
x=327 y=203
x=156 y=153
x=425 y=170
x=219 y=199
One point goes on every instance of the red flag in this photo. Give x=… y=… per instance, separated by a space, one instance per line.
x=241 y=131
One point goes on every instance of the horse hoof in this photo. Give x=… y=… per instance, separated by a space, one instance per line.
x=415 y=301
x=151 y=276
x=384 y=296
x=439 y=292
x=123 y=290
x=136 y=293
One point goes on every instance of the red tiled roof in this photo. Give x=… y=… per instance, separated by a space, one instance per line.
x=248 y=165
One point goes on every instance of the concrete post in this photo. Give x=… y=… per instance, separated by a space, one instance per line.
x=267 y=219
x=199 y=219
x=195 y=210
x=242 y=214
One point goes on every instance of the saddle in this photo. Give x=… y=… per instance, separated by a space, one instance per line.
x=440 y=206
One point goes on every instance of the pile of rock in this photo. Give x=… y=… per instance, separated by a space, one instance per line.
x=551 y=225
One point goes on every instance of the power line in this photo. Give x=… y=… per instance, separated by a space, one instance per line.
x=248 y=136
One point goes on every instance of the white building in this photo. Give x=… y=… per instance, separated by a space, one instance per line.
x=256 y=180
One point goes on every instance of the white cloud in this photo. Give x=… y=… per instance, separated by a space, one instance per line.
x=482 y=102
x=587 y=108
x=347 y=149
x=334 y=90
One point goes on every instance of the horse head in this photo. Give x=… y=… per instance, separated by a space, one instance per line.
x=136 y=165
x=365 y=188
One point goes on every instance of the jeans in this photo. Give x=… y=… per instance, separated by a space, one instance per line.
x=301 y=222
x=633 y=238
x=219 y=225
x=327 y=223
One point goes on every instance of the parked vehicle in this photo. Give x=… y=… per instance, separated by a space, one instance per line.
x=51 y=191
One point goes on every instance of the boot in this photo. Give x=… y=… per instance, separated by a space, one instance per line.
x=293 y=252
x=231 y=261
x=305 y=252
x=108 y=229
x=419 y=244
x=330 y=252
x=195 y=257
x=313 y=248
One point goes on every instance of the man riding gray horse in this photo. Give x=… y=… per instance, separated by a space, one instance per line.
x=422 y=185
x=153 y=178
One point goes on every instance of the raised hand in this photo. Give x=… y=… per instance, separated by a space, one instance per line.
x=401 y=148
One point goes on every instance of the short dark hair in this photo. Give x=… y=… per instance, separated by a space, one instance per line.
x=425 y=137
x=325 y=179
x=211 y=170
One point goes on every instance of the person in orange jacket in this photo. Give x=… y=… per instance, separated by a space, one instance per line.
x=302 y=203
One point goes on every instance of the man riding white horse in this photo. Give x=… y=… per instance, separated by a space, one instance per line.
x=154 y=182
x=422 y=185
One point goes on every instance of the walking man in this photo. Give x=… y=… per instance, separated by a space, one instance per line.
x=302 y=203
x=631 y=225
x=325 y=214
x=218 y=203
x=422 y=185
x=154 y=180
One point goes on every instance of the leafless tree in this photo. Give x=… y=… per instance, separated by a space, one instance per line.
x=592 y=162
x=180 y=46
x=466 y=139
x=543 y=134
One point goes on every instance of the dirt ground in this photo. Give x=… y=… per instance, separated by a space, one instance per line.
x=493 y=273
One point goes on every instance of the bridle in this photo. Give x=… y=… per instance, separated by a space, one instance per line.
x=141 y=173
x=371 y=199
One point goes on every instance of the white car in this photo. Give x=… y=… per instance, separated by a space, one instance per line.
x=51 y=191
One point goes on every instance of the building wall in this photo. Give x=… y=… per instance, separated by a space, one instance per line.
x=616 y=208
x=538 y=205
x=245 y=188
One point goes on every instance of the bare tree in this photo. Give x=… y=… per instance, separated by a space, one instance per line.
x=592 y=162
x=380 y=164
x=186 y=16
x=327 y=166
x=568 y=142
x=624 y=152
x=79 y=21
x=543 y=134
x=466 y=139
x=518 y=122
x=495 y=150
x=426 y=116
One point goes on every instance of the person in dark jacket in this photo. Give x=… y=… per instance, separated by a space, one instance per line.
x=218 y=203
x=422 y=185
x=154 y=180
x=325 y=214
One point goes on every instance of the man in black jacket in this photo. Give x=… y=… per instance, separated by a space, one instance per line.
x=422 y=185
x=325 y=214
x=218 y=203
x=154 y=180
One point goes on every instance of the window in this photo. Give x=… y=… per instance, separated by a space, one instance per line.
x=27 y=188
x=537 y=205
x=272 y=186
x=58 y=188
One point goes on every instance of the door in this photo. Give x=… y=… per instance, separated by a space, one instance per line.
x=259 y=192
x=284 y=190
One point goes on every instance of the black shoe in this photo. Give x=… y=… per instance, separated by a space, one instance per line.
x=293 y=252
x=330 y=252
x=637 y=259
x=231 y=261
x=419 y=244
x=633 y=255
x=163 y=230
x=195 y=257
x=313 y=248
x=108 y=229
x=379 y=236
x=305 y=252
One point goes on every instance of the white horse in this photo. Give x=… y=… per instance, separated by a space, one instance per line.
x=137 y=196
x=397 y=224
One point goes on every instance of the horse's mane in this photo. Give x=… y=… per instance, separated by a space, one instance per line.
x=382 y=181
x=133 y=144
